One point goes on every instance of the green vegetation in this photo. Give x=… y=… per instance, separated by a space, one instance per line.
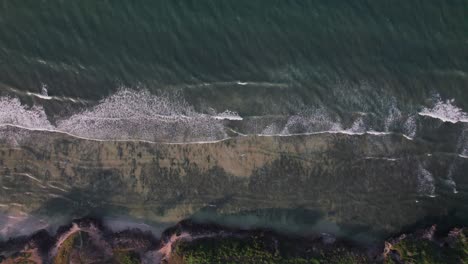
x=126 y=257
x=80 y=240
x=254 y=250
x=20 y=258
x=65 y=249
x=429 y=252
x=343 y=256
x=258 y=249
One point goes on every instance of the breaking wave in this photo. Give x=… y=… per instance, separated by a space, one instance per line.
x=309 y=122
x=320 y=120
x=139 y=115
x=227 y=115
x=128 y=114
x=426 y=184
x=14 y=113
x=445 y=111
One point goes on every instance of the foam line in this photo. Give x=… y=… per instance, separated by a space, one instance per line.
x=344 y=132
x=445 y=111
x=48 y=97
x=373 y=133
x=111 y=140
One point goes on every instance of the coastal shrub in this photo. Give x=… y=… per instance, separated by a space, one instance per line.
x=252 y=250
x=19 y=258
x=126 y=257
x=65 y=249
x=430 y=252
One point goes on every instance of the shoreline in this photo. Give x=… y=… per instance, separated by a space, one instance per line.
x=187 y=241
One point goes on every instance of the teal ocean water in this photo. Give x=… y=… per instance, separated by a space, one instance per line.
x=312 y=51
x=203 y=71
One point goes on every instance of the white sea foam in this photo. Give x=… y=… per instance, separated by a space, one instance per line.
x=271 y=129
x=344 y=132
x=45 y=96
x=450 y=181
x=42 y=96
x=426 y=185
x=463 y=143
x=410 y=127
x=397 y=121
x=227 y=115
x=44 y=91
x=57 y=98
x=462 y=150
x=142 y=116
x=445 y=111
x=130 y=114
x=311 y=121
x=393 y=117
x=358 y=126
x=126 y=115
x=321 y=120
x=14 y=113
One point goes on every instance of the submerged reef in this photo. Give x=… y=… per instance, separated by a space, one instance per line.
x=353 y=184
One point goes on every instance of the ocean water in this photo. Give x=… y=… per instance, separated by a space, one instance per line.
x=208 y=72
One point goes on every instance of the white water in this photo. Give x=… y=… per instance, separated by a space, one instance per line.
x=126 y=115
x=394 y=116
x=320 y=121
x=463 y=143
x=142 y=116
x=462 y=150
x=426 y=185
x=449 y=181
x=130 y=114
x=310 y=121
x=45 y=96
x=410 y=127
x=228 y=115
x=13 y=112
x=445 y=111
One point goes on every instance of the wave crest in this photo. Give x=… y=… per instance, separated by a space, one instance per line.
x=126 y=115
x=14 y=113
x=445 y=111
